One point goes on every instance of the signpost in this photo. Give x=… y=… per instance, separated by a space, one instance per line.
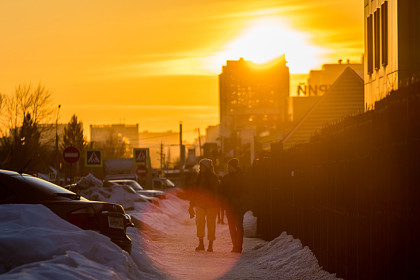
x=71 y=155
x=140 y=156
x=93 y=158
x=141 y=171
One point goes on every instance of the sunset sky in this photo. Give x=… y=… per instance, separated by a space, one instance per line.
x=156 y=63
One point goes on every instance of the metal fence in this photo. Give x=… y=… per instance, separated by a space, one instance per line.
x=353 y=193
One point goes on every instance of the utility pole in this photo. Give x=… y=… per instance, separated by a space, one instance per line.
x=181 y=154
x=56 y=145
x=199 y=142
x=161 y=159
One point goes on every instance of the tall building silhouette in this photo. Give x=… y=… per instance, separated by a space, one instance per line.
x=253 y=98
x=392 y=44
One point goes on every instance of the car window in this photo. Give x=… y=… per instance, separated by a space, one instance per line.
x=135 y=185
x=45 y=185
x=31 y=189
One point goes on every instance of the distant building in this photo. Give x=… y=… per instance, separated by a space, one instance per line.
x=319 y=81
x=212 y=133
x=344 y=98
x=392 y=44
x=129 y=134
x=253 y=98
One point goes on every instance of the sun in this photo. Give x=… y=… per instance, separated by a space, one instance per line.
x=265 y=39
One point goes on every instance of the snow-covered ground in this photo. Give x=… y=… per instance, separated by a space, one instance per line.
x=37 y=244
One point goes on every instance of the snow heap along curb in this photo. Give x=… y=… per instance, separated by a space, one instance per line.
x=93 y=189
x=37 y=244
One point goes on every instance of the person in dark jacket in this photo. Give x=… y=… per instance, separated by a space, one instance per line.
x=233 y=190
x=206 y=203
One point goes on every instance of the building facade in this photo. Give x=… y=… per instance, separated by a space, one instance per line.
x=253 y=97
x=319 y=81
x=392 y=44
x=128 y=134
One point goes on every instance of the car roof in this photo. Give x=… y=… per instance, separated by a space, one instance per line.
x=9 y=172
x=121 y=180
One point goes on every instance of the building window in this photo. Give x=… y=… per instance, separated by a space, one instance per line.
x=369 y=45
x=384 y=29
x=377 y=39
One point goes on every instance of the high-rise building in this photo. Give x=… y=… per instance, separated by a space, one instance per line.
x=253 y=97
x=392 y=44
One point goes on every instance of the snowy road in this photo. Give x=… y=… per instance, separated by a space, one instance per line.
x=175 y=254
x=171 y=244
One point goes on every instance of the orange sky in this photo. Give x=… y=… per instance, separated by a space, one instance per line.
x=156 y=62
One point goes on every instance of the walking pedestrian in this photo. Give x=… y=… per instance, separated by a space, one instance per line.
x=233 y=190
x=205 y=201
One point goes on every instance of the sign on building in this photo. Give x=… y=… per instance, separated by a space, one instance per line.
x=140 y=155
x=93 y=158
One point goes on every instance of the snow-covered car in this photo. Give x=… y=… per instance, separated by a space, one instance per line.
x=106 y=218
x=138 y=188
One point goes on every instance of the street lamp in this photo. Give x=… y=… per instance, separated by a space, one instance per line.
x=56 y=142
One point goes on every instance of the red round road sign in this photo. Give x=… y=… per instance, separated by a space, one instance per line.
x=71 y=154
x=141 y=171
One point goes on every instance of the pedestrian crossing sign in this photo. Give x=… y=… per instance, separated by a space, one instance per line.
x=140 y=155
x=93 y=158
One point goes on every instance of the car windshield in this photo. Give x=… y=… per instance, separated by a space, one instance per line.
x=136 y=186
x=46 y=186
x=169 y=183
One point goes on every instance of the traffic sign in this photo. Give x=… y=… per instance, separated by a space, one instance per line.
x=93 y=158
x=52 y=176
x=141 y=171
x=71 y=154
x=140 y=155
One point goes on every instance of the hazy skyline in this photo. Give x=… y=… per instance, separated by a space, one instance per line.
x=156 y=63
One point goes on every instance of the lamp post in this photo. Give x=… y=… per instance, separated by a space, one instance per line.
x=56 y=143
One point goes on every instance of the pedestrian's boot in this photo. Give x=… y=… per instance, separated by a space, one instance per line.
x=236 y=249
x=200 y=246
x=210 y=248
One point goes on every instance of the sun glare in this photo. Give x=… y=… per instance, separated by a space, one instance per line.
x=268 y=38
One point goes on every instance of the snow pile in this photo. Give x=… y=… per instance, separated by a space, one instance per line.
x=287 y=257
x=93 y=189
x=158 y=220
x=37 y=244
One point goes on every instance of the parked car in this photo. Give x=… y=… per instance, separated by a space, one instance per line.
x=138 y=188
x=106 y=218
x=162 y=183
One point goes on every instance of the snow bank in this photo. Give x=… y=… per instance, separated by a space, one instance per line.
x=37 y=244
x=93 y=189
x=287 y=257
x=157 y=220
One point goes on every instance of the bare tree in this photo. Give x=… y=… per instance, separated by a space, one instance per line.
x=22 y=114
